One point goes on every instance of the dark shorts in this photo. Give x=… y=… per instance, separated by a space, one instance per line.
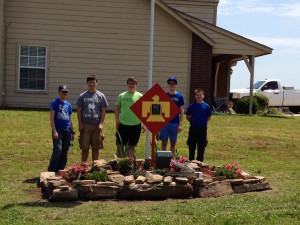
x=130 y=134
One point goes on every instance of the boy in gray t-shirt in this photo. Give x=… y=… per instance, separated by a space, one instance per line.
x=91 y=109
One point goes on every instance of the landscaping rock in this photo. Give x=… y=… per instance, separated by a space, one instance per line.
x=75 y=183
x=198 y=182
x=111 y=172
x=45 y=175
x=181 y=180
x=235 y=182
x=94 y=191
x=64 y=188
x=216 y=189
x=199 y=163
x=193 y=165
x=129 y=179
x=261 y=179
x=245 y=175
x=68 y=195
x=251 y=181
x=219 y=178
x=117 y=178
x=56 y=183
x=155 y=191
x=154 y=178
x=107 y=183
x=101 y=165
x=207 y=178
x=140 y=180
x=168 y=180
x=251 y=187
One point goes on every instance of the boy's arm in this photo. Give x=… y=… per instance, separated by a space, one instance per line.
x=208 y=118
x=117 y=114
x=103 y=112
x=52 y=115
x=79 y=118
x=181 y=118
x=188 y=118
x=72 y=129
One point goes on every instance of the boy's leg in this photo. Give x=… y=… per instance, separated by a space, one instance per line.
x=95 y=141
x=66 y=137
x=133 y=138
x=164 y=135
x=191 y=142
x=85 y=139
x=202 y=142
x=173 y=131
x=57 y=147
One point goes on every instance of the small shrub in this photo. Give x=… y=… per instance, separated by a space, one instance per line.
x=242 y=106
x=124 y=166
x=224 y=172
x=97 y=176
x=262 y=102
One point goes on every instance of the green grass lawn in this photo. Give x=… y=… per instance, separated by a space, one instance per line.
x=265 y=146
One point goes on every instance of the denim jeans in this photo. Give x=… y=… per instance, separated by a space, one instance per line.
x=58 y=159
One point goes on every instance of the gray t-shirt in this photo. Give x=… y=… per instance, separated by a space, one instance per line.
x=91 y=104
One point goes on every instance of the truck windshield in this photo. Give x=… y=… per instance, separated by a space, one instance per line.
x=258 y=84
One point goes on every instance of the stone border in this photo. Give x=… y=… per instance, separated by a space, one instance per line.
x=153 y=187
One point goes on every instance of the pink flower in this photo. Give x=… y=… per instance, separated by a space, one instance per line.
x=238 y=171
x=228 y=166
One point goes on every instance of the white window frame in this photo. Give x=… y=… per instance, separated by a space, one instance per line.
x=32 y=67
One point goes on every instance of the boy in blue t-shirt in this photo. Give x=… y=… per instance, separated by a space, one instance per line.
x=175 y=125
x=198 y=113
x=62 y=129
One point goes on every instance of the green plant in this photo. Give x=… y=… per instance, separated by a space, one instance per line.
x=230 y=171
x=241 y=106
x=122 y=149
x=262 y=102
x=97 y=176
x=125 y=166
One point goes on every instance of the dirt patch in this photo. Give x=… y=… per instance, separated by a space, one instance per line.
x=24 y=143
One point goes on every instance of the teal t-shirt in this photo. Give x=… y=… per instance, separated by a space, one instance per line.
x=125 y=101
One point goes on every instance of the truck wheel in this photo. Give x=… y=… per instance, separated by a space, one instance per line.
x=294 y=109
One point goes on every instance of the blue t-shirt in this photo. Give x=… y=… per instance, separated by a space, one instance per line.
x=199 y=114
x=179 y=101
x=63 y=111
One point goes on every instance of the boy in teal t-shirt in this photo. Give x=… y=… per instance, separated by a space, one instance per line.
x=127 y=123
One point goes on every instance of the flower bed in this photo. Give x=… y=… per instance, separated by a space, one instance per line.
x=127 y=179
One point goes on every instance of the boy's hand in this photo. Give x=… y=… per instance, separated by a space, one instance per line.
x=55 y=135
x=179 y=128
x=80 y=128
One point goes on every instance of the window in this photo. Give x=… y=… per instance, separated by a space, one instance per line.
x=272 y=85
x=32 y=68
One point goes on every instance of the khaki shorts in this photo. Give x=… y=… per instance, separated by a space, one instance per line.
x=91 y=136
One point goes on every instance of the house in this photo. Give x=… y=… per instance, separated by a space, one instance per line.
x=45 y=43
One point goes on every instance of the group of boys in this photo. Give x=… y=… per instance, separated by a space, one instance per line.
x=91 y=109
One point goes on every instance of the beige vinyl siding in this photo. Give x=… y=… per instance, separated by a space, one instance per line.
x=202 y=9
x=107 y=38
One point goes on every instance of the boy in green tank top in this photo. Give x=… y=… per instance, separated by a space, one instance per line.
x=127 y=123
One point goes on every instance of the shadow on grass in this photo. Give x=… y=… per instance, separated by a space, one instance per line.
x=44 y=204
x=34 y=180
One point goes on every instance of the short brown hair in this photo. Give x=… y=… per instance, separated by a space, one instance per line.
x=91 y=77
x=132 y=79
x=199 y=90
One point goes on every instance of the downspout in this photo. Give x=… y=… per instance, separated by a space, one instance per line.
x=4 y=62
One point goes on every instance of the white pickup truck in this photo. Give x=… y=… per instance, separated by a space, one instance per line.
x=279 y=95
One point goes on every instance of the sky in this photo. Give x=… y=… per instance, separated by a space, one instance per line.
x=274 y=23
